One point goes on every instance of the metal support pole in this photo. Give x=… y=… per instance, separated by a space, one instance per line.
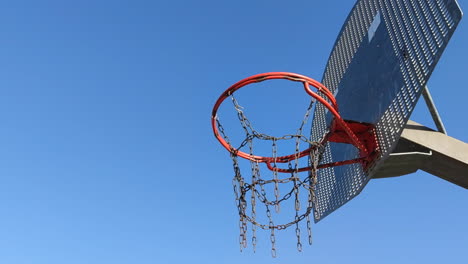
x=431 y=151
x=433 y=110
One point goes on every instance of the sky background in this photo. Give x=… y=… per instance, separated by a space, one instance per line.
x=107 y=154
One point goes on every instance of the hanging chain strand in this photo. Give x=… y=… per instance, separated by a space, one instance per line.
x=268 y=211
x=296 y=190
x=314 y=160
x=272 y=229
x=309 y=228
x=255 y=175
x=236 y=184
x=275 y=175
x=241 y=206
x=257 y=185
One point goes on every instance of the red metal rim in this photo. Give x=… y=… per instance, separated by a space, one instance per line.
x=307 y=82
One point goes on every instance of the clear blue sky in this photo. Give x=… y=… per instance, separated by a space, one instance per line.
x=107 y=155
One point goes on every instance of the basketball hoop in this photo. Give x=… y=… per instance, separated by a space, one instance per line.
x=357 y=134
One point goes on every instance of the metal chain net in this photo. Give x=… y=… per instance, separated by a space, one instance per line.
x=248 y=192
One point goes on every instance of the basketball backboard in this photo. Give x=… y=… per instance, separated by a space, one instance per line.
x=378 y=68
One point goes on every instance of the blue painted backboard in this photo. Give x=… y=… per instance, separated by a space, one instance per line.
x=381 y=61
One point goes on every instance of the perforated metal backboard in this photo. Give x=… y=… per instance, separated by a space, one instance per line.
x=381 y=61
